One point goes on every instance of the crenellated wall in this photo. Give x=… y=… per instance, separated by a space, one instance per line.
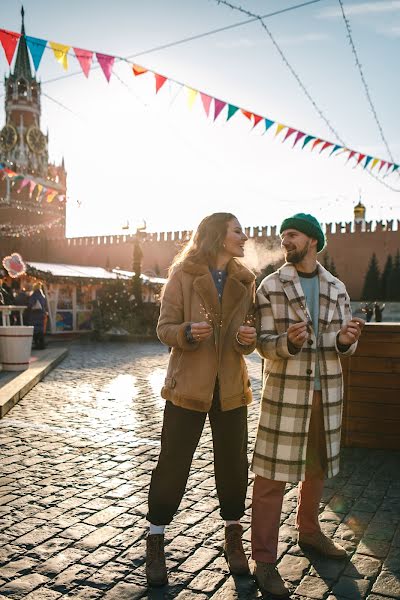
x=349 y=245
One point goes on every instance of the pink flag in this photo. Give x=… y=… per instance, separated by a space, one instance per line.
x=289 y=132
x=218 y=106
x=32 y=186
x=85 y=59
x=352 y=153
x=24 y=183
x=106 y=62
x=206 y=100
x=383 y=163
x=299 y=135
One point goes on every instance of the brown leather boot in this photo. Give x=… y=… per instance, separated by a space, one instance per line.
x=269 y=581
x=322 y=544
x=234 y=552
x=156 y=570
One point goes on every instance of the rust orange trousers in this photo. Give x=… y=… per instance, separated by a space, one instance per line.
x=268 y=494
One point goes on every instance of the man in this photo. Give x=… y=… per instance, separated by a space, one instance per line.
x=304 y=325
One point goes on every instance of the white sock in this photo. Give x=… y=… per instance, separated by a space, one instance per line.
x=227 y=523
x=156 y=529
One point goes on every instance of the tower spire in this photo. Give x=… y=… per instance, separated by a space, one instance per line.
x=22 y=67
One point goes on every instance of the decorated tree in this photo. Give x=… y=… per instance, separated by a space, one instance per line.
x=372 y=282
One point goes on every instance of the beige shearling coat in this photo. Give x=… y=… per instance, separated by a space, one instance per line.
x=288 y=380
x=190 y=295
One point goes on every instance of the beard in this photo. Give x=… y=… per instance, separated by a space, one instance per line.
x=296 y=256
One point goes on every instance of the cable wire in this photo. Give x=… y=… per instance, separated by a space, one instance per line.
x=364 y=82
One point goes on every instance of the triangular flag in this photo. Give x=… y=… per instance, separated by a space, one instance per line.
x=395 y=167
x=316 y=143
x=289 y=132
x=257 y=119
x=24 y=183
x=374 y=163
x=9 y=41
x=367 y=161
x=50 y=196
x=352 y=153
x=383 y=163
x=325 y=146
x=61 y=53
x=307 y=139
x=268 y=124
x=36 y=48
x=160 y=80
x=206 y=100
x=137 y=70
x=337 y=146
x=106 y=62
x=279 y=128
x=247 y=113
x=232 y=109
x=388 y=167
x=191 y=96
x=218 y=106
x=299 y=135
x=39 y=189
x=32 y=186
x=360 y=157
x=85 y=59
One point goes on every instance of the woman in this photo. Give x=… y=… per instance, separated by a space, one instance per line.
x=37 y=312
x=206 y=316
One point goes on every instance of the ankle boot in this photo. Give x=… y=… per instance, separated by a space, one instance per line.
x=156 y=570
x=234 y=552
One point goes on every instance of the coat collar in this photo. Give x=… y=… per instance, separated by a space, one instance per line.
x=328 y=291
x=235 y=269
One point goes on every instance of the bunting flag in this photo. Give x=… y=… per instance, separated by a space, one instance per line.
x=32 y=183
x=36 y=46
x=85 y=58
x=106 y=63
x=192 y=94
x=60 y=53
x=206 y=101
x=9 y=41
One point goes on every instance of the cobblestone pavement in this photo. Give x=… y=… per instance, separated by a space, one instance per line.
x=76 y=457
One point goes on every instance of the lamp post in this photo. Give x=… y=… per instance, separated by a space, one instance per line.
x=137 y=264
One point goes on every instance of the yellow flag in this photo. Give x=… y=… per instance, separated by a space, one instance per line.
x=191 y=96
x=374 y=163
x=39 y=189
x=61 y=53
x=51 y=196
x=279 y=128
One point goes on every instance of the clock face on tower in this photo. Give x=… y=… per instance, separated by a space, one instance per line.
x=8 y=137
x=36 y=140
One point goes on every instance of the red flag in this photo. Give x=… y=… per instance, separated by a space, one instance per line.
x=352 y=153
x=316 y=142
x=247 y=113
x=9 y=41
x=360 y=157
x=218 y=106
x=289 y=132
x=257 y=119
x=383 y=163
x=160 y=80
x=85 y=59
x=326 y=145
x=206 y=100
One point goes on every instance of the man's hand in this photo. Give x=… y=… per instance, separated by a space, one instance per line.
x=201 y=331
x=246 y=335
x=297 y=334
x=351 y=331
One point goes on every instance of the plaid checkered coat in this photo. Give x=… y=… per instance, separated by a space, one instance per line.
x=288 y=380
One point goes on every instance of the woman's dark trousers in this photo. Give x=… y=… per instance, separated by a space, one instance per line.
x=180 y=436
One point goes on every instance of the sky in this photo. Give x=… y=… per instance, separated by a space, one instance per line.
x=134 y=156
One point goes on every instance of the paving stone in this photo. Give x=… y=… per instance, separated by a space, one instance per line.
x=21 y=586
x=292 y=568
x=206 y=581
x=312 y=587
x=348 y=587
x=198 y=560
x=61 y=561
x=71 y=577
x=43 y=594
x=124 y=591
x=364 y=566
x=387 y=584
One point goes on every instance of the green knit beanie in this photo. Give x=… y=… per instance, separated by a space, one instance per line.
x=306 y=224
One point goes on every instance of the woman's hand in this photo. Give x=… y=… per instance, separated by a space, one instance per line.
x=246 y=335
x=201 y=331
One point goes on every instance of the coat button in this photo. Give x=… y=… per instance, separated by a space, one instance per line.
x=310 y=342
x=309 y=371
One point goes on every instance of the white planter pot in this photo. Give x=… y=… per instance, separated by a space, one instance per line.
x=15 y=347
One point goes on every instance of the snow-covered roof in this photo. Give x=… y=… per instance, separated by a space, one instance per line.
x=86 y=272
